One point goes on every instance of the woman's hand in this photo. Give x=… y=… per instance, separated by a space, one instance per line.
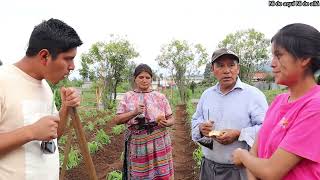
x=140 y=109
x=163 y=122
x=237 y=155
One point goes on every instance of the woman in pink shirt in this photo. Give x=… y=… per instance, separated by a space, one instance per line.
x=287 y=146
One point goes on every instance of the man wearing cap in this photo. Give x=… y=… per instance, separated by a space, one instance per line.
x=234 y=110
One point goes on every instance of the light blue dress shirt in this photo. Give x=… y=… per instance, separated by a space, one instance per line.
x=242 y=108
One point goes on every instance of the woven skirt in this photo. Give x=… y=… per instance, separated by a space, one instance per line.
x=149 y=156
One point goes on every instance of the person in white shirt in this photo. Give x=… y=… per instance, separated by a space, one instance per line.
x=27 y=111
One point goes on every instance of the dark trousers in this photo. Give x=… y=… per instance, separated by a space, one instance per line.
x=211 y=170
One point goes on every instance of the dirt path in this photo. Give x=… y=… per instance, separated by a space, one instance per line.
x=183 y=148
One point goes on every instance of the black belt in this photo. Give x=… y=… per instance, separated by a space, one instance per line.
x=146 y=126
x=218 y=171
x=219 y=165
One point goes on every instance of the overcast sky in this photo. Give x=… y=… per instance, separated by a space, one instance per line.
x=148 y=24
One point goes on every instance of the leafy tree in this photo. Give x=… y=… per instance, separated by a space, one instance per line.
x=0 y=62
x=252 y=48
x=209 y=79
x=183 y=61
x=207 y=71
x=108 y=64
x=119 y=52
x=128 y=74
x=84 y=71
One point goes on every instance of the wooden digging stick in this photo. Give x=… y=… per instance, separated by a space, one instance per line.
x=82 y=143
x=66 y=154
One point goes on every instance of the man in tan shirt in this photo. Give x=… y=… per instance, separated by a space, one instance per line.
x=26 y=103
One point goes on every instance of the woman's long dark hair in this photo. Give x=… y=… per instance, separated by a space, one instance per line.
x=302 y=41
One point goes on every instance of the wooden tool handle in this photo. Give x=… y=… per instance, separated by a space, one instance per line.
x=82 y=142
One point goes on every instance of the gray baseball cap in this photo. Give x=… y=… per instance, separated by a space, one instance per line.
x=223 y=51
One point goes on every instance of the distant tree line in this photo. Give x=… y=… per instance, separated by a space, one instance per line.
x=110 y=64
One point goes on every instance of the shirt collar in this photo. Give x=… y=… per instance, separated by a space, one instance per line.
x=238 y=85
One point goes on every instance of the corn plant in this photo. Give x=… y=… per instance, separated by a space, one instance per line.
x=74 y=158
x=114 y=175
x=197 y=156
x=94 y=147
x=91 y=113
x=118 y=129
x=62 y=140
x=89 y=126
x=190 y=110
x=102 y=137
x=108 y=117
x=87 y=114
x=94 y=113
x=101 y=121
x=61 y=158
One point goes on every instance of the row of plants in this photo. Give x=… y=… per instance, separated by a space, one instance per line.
x=115 y=175
x=197 y=153
x=91 y=120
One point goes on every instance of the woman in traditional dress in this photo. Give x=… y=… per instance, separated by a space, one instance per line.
x=146 y=114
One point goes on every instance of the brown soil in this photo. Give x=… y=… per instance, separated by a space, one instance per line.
x=107 y=159
x=183 y=147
